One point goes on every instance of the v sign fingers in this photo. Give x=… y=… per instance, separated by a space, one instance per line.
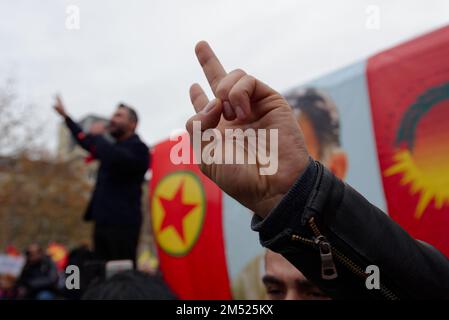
x=245 y=107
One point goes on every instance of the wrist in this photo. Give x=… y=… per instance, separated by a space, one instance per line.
x=267 y=205
x=289 y=212
x=264 y=207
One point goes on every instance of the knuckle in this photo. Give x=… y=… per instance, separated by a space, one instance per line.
x=238 y=71
x=249 y=78
x=222 y=89
x=189 y=124
x=227 y=84
x=236 y=93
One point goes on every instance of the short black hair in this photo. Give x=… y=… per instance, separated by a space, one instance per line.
x=322 y=112
x=131 y=111
x=130 y=285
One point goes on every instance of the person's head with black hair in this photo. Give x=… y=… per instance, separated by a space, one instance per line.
x=34 y=254
x=318 y=118
x=123 y=122
x=131 y=112
x=130 y=285
x=283 y=281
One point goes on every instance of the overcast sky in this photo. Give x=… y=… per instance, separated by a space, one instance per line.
x=141 y=52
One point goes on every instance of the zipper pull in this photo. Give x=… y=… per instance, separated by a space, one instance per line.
x=328 y=270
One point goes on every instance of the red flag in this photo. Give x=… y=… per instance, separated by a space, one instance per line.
x=186 y=216
x=409 y=92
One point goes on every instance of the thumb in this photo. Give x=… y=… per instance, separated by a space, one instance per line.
x=209 y=116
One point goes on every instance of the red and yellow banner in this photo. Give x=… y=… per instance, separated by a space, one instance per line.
x=409 y=92
x=186 y=216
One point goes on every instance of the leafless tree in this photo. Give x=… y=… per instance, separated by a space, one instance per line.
x=41 y=197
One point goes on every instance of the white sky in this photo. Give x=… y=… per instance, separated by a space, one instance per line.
x=141 y=52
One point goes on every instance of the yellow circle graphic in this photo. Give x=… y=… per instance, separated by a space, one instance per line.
x=178 y=207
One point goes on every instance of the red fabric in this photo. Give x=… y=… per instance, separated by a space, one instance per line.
x=90 y=157
x=409 y=92
x=58 y=254
x=12 y=250
x=201 y=273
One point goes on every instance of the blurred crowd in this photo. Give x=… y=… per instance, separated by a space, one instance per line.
x=40 y=274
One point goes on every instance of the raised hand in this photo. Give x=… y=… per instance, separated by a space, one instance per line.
x=243 y=102
x=59 y=106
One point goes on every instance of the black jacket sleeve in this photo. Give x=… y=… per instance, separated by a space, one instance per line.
x=129 y=158
x=80 y=137
x=331 y=234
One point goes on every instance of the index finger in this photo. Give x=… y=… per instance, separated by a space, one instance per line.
x=212 y=67
x=58 y=98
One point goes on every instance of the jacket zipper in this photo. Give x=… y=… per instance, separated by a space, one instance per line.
x=327 y=252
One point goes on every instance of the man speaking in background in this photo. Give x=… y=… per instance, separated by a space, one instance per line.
x=115 y=205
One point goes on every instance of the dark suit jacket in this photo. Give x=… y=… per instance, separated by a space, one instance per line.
x=116 y=199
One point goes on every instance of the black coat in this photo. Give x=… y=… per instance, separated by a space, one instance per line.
x=40 y=276
x=116 y=199
x=331 y=234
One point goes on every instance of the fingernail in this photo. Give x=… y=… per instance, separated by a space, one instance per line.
x=209 y=106
x=239 y=112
